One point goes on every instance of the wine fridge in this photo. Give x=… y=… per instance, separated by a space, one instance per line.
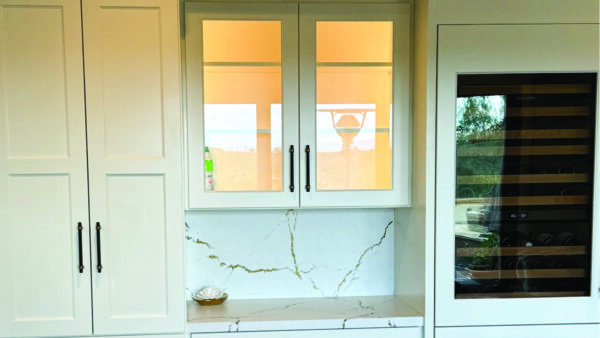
x=524 y=184
x=517 y=205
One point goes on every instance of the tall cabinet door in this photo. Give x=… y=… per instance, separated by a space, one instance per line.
x=43 y=178
x=242 y=105
x=517 y=194
x=132 y=74
x=354 y=105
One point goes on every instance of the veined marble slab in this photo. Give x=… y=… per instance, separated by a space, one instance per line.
x=240 y=315
x=257 y=254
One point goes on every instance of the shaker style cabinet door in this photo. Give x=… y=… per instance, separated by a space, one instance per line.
x=517 y=194
x=43 y=177
x=242 y=105
x=354 y=105
x=132 y=71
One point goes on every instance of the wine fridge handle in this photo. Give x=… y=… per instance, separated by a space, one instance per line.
x=79 y=241
x=307 y=150
x=98 y=249
x=292 y=168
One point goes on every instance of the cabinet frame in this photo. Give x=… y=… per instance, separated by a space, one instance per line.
x=195 y=13
x=486 y=49
x=400 y=193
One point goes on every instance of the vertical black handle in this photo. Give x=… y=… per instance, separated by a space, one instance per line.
x=292 y=168
x=307 y=150
x=79 y=229
x=98 y=251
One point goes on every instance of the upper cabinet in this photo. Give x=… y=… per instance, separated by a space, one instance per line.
x=242 y=105
x=273 y=125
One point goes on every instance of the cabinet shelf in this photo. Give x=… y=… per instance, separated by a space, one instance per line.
x=523 y=179
x=524 y=251
x=547 y=111
x=242 y=64
x=520 y=151
x=528 y=274
x=354 y=64
x=473 y=90
x=535 y=134
x=526 y=200
x=522 y=294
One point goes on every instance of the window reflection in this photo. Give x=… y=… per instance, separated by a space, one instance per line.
x=234 y=147
x=354 y=66
x=242 y=111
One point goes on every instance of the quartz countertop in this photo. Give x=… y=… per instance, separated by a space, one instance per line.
x=303 y=314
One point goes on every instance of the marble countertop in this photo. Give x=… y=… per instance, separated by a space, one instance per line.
x=302 y=314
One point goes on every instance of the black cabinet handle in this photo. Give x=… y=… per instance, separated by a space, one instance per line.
x=79 y=229
x=307 y=150
x=98 y=251
x=292 y=168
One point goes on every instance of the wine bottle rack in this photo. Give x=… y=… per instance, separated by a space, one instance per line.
x=531 y=273
x=528 y=200
x=522 y=295
x=525 y=168
x=524 y=251
x=522 y=151
x=523 y=179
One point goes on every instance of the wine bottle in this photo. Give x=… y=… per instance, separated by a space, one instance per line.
x=564 y=286
x=569 y=239
x=515 y=239
x=545 y=239
x=536 y=263
x=566 y=264
x=538 y=287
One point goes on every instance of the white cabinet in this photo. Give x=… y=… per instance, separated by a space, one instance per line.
x=408 y=332
x=262 y=135
x=134 y=152
x=528 y=136
x=133 y=168
x=43 y=178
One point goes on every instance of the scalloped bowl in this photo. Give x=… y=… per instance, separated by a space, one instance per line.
x=211 y=301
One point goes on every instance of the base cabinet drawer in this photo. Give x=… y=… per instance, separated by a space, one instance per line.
x=521 y=331
x=407 y=332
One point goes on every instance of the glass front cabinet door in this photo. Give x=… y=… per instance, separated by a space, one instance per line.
x=517 y=151
x=242 y=104
x=297 y=105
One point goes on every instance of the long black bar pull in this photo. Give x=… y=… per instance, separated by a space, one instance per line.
x=98 y=251
x=307 y=150
x=79 y=229
x=292 y=168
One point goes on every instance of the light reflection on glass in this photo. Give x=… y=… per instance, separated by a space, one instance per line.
x=354 y=105
x=242 y=105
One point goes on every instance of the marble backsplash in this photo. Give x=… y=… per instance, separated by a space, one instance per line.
x=291 y=253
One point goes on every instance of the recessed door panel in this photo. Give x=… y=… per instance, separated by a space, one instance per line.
x=35 y=86
x=41 y=205
x=135 y=233
x=131 y=68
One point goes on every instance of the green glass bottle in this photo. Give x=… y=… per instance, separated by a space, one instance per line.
x=209 y=182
